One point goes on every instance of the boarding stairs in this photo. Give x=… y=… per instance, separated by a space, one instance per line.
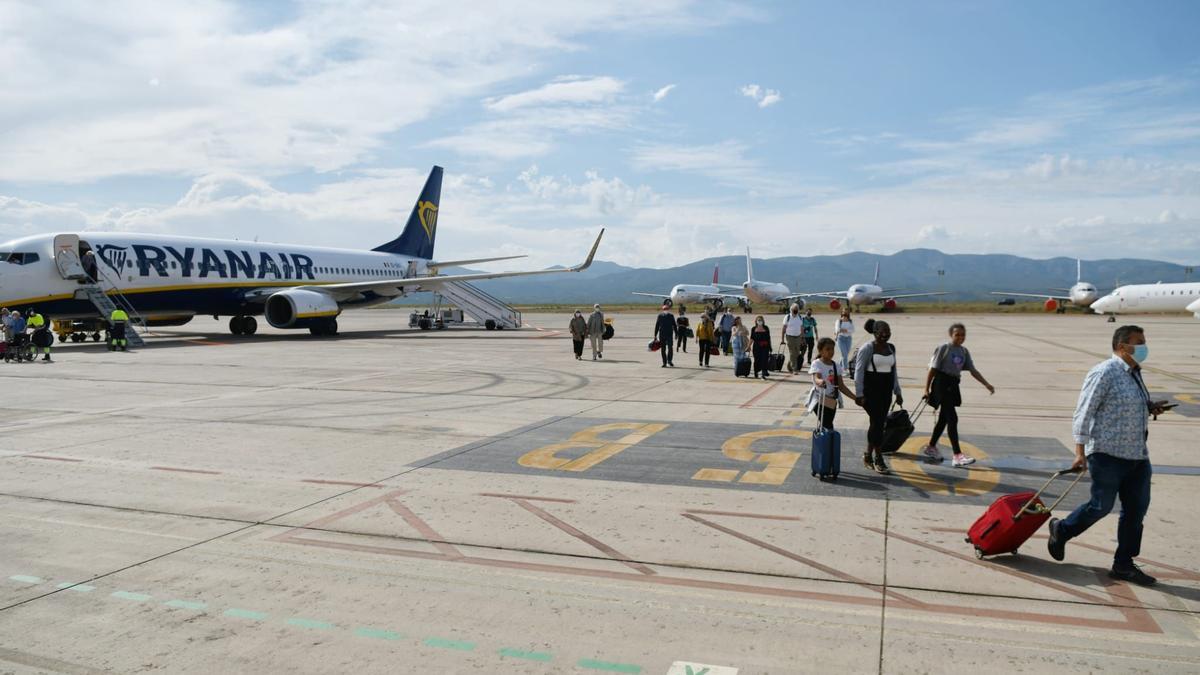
x=66 y=256
x=486 y=309
x=106 y=304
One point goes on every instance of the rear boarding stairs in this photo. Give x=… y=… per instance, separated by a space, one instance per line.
x=489 y=311
x=66 y=258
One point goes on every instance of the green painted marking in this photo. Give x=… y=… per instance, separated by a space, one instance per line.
x=310 y=623
x=449 y=644
x=186 y=604
x=245 y=614
x=519 y=654
x=26 y=579
x=377 y=633
x=125 y=595
x=610 y=667
x=81 y=588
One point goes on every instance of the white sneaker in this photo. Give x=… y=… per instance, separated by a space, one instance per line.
x=932 y=453
x=963 y=460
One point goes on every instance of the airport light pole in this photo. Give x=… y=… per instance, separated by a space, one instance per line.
x=941 y=284
x=1187 y=274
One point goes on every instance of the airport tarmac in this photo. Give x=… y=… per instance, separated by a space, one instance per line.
x=394 y=500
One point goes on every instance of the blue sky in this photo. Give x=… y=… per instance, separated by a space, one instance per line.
x=1035 y=128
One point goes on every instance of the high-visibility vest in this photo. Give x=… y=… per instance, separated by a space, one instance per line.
x=119 y=315
x=36 y=321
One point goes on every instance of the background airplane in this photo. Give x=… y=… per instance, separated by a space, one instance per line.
x=764 y=292
x=1082 y=294
x=165 y=279
x=1147 y=298
x=868 y=294
x=684 y=294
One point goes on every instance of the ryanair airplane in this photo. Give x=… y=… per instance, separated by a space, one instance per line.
x=168 y=280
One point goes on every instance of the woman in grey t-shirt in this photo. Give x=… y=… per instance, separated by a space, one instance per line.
x=942 y=391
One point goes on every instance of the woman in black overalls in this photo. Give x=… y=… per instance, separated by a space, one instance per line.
x=875 y=381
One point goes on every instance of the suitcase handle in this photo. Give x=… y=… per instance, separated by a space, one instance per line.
x=1041 y=508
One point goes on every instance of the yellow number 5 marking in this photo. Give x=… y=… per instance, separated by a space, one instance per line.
x=779 y=464
x=589 y=439
x=980 y=480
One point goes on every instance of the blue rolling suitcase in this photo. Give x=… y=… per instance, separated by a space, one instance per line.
x=826 y=450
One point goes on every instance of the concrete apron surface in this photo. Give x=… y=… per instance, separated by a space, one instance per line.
x=393 y=500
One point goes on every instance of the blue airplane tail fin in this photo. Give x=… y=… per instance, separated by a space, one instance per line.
x=417 y=238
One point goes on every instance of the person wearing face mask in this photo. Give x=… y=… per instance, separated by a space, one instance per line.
x=844 y=330
x=1111 y=425
x=579 y=331
x=875 y=380
x=942 y=392
x=810 y=337
x=760 y=341
x=664 y=331
x=740 y=342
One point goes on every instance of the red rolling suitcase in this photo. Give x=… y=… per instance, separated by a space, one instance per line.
x=1012 y=519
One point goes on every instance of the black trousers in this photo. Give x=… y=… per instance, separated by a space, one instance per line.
x=947 y=421
x=578 y=344
x=667 y=350
x=705 y=346
x=807 y=347
x=827 y=415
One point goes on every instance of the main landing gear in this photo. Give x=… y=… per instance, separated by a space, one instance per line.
x=243 y=325
x=324 y=327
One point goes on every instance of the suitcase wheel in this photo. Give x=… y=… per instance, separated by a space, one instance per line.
x=979 y=553
x=1016 y=552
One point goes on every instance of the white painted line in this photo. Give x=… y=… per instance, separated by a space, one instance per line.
x=26 y=579
x=81 y=588
x=689 y=668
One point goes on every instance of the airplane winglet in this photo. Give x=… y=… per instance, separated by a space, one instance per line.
x=591 y=254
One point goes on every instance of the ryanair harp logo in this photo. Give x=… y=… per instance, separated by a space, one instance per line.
x=114 y=256
x=427 y=213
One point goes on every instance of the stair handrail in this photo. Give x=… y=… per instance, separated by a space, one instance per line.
x=120 y=299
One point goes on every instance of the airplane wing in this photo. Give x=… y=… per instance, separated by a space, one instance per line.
x=473 y=261
x=651 y=295
x=832 y=295
x=1039 y=296
x=417 y=284
x=917 y=295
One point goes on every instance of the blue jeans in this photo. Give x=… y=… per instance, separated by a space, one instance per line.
x=844 y=347
x=1114 y=477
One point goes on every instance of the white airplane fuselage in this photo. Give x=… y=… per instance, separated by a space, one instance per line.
x=864 y=294
x=1145 y=298
x=169 y=275
x=693 y=294
x=763 y=293
x=1083 y=294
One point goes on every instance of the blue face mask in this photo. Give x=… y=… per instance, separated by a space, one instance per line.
x=1140 y=353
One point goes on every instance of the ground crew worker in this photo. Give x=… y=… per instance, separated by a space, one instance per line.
x=41 y=334
x=117 y=322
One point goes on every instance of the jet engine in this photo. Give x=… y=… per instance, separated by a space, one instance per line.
x=1051 y=305
x=835 y=305
x=300 y=308
x=889 y=304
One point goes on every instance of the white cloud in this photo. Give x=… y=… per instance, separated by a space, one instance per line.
x=662 y=93
x=932 y=234
x=763 y=97
x=317 y=89
x=568 y=90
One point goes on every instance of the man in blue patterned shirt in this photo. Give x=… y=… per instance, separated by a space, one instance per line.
x=1110 y=427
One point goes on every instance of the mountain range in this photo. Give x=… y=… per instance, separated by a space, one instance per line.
x=967 y=276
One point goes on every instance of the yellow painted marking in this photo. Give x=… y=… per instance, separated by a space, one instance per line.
x=546 y=457
x=779 y=464
x=980 y=480
x=1187 y=398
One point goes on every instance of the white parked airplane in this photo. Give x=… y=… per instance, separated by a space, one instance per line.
x=685 y=294
x=168 y=280
x=763 y=292
x=868 y=294
x=1082 y=294
x=1146 y=298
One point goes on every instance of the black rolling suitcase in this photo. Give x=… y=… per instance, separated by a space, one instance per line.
x=742 y=369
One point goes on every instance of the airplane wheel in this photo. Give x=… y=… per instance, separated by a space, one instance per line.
x=489 y=324
x=249 y=325
x=235 y=325
x=332 y=327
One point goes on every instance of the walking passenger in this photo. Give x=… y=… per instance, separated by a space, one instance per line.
x=810 y=336
x=725 y=328
x=664 y=331
x=793 y=336
x=828 y=384
x=5 y=324
x=875 y=380
x=760 y=339
x=682 y=326
x=1111 y=427
x=844 y=330
x=705 y=333
x=740 y=341
x=942 y=391
x=579 y=331
x=595 y=331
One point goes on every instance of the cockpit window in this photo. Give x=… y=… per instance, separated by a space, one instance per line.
x=18 y=258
